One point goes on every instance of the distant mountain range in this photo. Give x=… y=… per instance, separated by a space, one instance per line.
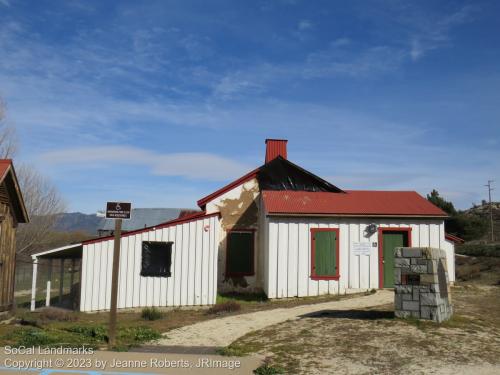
x=76 y=221
x=141 y=218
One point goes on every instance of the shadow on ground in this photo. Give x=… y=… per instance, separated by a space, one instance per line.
x=351 y=314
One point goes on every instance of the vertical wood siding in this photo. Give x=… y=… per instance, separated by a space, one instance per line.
x=7 y=258
x=194 y=269
x=288 y=261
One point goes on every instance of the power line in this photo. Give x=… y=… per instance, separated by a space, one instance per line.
x=491 y=208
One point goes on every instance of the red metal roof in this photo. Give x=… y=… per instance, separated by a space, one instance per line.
x=353 y=202
x=8 y=176
x=453 y=238
x=4 y=167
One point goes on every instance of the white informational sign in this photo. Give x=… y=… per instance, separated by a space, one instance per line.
x=361 y=248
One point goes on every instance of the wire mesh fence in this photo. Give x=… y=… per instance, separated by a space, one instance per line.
x=64 y=277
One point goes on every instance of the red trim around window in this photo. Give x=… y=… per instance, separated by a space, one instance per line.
x=313 y=250
x=381 y=248
x=233 y=274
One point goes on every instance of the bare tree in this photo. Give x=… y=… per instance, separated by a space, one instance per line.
x=44 y=204
x=43 y=201
x=8 y=137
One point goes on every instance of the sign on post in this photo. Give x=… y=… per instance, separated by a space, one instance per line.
x=118 y=210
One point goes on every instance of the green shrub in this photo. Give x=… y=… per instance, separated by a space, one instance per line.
x=33 y=337
x=151 y=313
x=268 y=369
x=223 y=308
x=95 y=332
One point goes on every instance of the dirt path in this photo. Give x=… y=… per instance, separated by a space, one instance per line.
x=222 y=332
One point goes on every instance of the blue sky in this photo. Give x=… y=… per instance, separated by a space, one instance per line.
x=162 y=102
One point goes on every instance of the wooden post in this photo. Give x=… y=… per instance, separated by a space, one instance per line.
x=47 y=296
x=61 y=282
x=114 y=284
x=49 y=284
x=33 y=284
x=72 y=280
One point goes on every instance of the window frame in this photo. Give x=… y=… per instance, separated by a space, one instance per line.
x=313 y=254
x=169 y=271
x=228 y=273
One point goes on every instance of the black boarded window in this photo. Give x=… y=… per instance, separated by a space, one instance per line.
x=156 y=258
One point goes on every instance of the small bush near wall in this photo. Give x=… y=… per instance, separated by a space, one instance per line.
x=151 y=313
x=485 y=250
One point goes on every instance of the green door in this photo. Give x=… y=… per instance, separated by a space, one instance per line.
x=391 y=240
x=325 y=253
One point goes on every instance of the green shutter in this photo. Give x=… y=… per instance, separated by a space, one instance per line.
x=325 y=253
x=240 y=253
x=391 y=240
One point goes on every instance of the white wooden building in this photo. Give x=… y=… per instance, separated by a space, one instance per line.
x=190 y=280
x=280 y=230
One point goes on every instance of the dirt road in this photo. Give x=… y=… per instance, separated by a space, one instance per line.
x=223 y=331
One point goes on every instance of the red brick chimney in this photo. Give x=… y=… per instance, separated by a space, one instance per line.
x=275 y=148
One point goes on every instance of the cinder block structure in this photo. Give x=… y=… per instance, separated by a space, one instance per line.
x=421 y=284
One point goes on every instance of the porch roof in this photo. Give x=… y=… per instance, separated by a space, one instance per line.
x=66 y=252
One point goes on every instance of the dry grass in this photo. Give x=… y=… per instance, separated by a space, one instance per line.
x=224 y=308
x=373 y=341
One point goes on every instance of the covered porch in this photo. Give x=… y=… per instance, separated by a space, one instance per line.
x=60 y=271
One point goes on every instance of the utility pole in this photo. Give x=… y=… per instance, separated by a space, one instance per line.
x=491 y=209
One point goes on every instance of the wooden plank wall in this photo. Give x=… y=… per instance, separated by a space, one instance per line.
x=7 y=256
x=289 y=257
x=194 y=269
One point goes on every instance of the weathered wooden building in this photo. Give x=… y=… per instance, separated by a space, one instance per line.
x=279 y=229
x=12 y=212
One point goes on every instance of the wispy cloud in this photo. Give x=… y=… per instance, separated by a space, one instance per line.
x=305 y=25
x=431 y=33
x=5 y=3
x=201 y=166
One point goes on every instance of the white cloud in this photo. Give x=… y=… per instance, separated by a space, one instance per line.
x=5 y=3
x=340 y=42
x=304 y=25
x=416 y=49
x=201 y=166
x=431 y=33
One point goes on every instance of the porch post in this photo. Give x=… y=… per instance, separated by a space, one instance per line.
x=49 y=284
x=72 y=274
x=61 y=280
x=47 y=296
x=33 y=283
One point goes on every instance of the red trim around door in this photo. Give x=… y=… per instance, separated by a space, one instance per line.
x=236 y=274
x=381 y=252
x=313 y=270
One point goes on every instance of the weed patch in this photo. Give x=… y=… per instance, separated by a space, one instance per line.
x=151 y=313
x=268 y=369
